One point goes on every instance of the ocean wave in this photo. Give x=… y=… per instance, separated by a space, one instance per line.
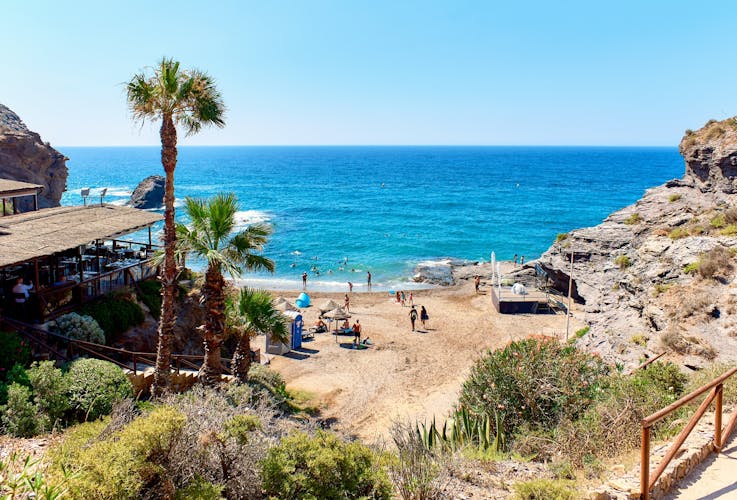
x=248 y=217
x=327 y=285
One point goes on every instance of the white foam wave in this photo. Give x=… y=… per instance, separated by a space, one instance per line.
x=248 y=217
x=119 y=192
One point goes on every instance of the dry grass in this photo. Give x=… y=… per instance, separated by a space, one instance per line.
x=715 y=262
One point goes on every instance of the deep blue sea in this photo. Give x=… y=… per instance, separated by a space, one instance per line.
x=385 y=209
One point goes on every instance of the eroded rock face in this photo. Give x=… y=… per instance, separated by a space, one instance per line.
x=634 y=273
x=25 y=157
x=149 y=193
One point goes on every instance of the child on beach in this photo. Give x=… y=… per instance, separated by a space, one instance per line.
x=424 y=317
x=412 y=316
x=477 y=282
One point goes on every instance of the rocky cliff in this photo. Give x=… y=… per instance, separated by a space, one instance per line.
x=659 y=275
x=25 y=157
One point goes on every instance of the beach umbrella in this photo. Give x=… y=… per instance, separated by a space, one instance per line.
x=285 y=305
x=337 y=314
x=328 y=305
x=279 y=300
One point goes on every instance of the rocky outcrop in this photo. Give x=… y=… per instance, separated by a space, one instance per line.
x=149 y=193
x=440 y=272
x=659 y=275
x=25 y=157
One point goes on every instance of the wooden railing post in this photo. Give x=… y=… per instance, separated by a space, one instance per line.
x=718 y=418
x=645 y=464
x=135 y=370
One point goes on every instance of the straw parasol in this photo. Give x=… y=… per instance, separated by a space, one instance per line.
x=328 y=306
x=337 y=314
x=285 y=305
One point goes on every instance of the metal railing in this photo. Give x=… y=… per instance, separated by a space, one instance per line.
x=716 y=390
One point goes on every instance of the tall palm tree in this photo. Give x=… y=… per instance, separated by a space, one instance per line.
x=213 y=236
x=251 y=314
x=188 y=99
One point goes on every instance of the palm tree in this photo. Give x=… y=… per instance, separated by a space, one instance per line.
x=188 y=99
x=212 y=236
x=253 y=313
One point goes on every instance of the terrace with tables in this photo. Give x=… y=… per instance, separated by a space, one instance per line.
x=70 y=254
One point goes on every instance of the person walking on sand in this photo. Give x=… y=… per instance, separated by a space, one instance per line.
x=411 y=300
x=304 y=281
x=397 y=297
x=368 y=278
x=350 y=286
x=347 y=303
x=424 y=317
x=404 y=298
x=477 y=282
x=413 y=317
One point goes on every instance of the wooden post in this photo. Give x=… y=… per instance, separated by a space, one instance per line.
x=645 y=464
x=149 y=238
x=718 y=444
x=35 y=202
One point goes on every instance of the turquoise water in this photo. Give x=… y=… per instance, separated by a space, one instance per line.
x=385 y=209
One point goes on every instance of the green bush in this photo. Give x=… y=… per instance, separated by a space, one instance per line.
x=623 y=262
x=545 y=489
x=729 y=230
x=94 y=385
x=25 y=478
x=199 y=489
x=49 y=392
x=611 y=426
x=80 y=327
x=122 y=464
x=532 y=381
x=678 y=233
x=691 y=268
x=633 y=219
x=560 y=237
x=19 y=414
x=674 y=197
x=323 y=467
x=149 y=292
x=13 y=350
x=718 y=221
x=115 y=313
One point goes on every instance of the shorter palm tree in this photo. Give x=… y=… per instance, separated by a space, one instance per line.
x=213 y=236
x=250 y=314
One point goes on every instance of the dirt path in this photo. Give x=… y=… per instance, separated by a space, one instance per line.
x=715 y=477
x=405 y=375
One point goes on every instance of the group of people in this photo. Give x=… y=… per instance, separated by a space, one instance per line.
x=350 y=284
x=402 y=298
x=423 y=317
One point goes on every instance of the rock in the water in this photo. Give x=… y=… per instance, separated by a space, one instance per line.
x=25 y=157
x=438 y=272
x=149 y=193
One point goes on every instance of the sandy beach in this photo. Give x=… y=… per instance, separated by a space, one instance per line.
x=404 y=375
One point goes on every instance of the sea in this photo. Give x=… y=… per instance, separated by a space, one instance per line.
x=339 y=212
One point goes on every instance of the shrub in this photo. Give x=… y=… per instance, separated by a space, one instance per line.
x=22 y=478
x=611 y=426
x=129 y=459
x=731 y=215
x=545 y=489
x=115 y=314
x=623 y=262
x=714 y=261
x=560 y=237
x=674 y=197
x=49 y=393
x=691 y=268
x=533 y=381
x=581 y=332
x=678 y=233
x=80 y=327
x=730 y=230
x=416 y=472
x=640 y=340
x=709 y=373
x=633 y=219
x=718 y=221
x=19 y=414
x=149 y=292
x=94 y=385
x=13 y=349
x=660 y=288
x=199 y=489
x=323 y=466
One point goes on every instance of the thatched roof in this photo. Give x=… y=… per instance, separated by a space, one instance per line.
x=30 y=235
x=10 y=188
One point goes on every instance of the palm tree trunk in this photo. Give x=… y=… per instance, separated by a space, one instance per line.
x=214 y=325
x=162 y=374
x=242 y=357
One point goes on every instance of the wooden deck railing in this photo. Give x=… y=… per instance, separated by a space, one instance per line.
x=129 y=360
x=715 y=388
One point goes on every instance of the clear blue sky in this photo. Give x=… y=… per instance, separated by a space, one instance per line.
x=381 y=72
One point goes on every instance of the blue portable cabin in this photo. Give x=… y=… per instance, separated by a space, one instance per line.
x=296 y=323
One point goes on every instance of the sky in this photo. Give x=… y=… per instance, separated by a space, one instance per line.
x=374 y=72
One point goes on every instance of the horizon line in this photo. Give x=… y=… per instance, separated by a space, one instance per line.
x=376 y=146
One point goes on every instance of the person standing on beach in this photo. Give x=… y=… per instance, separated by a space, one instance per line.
x=413 y=317
x=356 y=334
x=368 y=278
x=350 y=286
x=304 y=281
x=515 y=260
x=411 y=300
x=347 y=303
x=404 y=298
x=522 y=261
x=424 y=317
x=477 y=282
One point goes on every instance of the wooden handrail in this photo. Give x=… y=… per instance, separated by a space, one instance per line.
x=716 y=387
